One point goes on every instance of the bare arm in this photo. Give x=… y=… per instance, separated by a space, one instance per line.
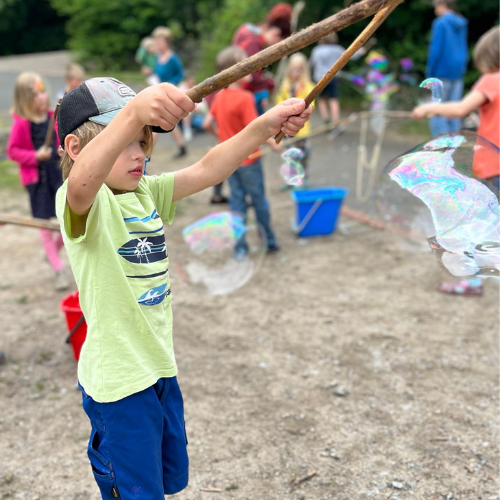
x=221 y=161
x=161 y=105
x=460 y=109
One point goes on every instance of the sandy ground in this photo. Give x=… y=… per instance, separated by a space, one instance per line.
x=337 y=372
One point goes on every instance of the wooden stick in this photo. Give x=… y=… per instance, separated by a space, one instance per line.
x=20 y=220
x=297 y=41
x=50 y=131
x=344 y=58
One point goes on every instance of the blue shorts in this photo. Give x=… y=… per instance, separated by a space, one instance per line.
x=137 y=447
x=331 y=91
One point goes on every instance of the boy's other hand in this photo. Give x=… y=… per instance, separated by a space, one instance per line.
x=288 y=117
x=162 y=105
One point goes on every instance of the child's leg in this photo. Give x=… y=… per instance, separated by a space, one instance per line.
x=334 y=109
x=253 y=180
x=323 y=109
x=51 y=246
x=237 y=203
x=137 y=446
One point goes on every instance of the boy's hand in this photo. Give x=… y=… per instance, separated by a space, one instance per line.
x=288 y=117
x=162 y=105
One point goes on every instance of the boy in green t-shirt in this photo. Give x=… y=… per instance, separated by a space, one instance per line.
x=112 y=219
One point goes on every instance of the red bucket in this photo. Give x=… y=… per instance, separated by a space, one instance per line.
x=75 y=320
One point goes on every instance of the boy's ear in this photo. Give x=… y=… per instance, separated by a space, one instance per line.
x=72 y=146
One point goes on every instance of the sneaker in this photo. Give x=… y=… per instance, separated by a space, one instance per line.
x=461 y=288
x=273 y=248
x=61 y=282
x=240 y=255
x=182 y=152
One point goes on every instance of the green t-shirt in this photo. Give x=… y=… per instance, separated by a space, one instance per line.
x=120 y=266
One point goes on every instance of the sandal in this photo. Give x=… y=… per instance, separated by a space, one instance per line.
x=461 y=288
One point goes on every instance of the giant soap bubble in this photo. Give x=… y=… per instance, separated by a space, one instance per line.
x=221 y=252
x=430 y=196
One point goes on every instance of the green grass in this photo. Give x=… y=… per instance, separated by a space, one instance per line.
x=9 y=173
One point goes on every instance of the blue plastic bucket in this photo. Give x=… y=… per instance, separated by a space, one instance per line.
x=317 y=210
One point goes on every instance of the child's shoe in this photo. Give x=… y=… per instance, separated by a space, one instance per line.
x=461 y=288
x=240 y=254
x=273 y=248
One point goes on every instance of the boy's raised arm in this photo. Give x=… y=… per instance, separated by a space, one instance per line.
x=162 y=105
x=222 y=160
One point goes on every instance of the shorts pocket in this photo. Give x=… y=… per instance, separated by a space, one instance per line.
x=102 y=469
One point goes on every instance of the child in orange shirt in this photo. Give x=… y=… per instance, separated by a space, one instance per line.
x=485 y=95
x=232 y=109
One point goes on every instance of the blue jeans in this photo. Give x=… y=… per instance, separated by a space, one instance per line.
x=452 y=91
x=249 y=180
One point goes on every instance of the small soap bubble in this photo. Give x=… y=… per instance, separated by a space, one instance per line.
x=292 y=170
x=221 y=252
x=435 y=86
x=430 y=197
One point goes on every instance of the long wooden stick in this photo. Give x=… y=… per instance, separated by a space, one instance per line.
x=297 y=41
x=344 y=58
x=20 y=220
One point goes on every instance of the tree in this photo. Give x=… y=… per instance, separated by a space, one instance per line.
x=30 y=26
x=106 y=34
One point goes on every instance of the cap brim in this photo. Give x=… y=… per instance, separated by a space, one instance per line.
x=105 y=118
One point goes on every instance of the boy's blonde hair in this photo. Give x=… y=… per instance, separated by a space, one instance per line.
x=487 y=51
x=74 y=72
x=163 y=32
x=24 y=103
x=88 y=131
x=229 y=57
x=299 y=59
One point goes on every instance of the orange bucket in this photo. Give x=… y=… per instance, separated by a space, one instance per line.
x=77 y=327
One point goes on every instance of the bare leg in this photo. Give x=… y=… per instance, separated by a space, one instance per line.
x=334 y=109
x=177 y=135
x=323 y=110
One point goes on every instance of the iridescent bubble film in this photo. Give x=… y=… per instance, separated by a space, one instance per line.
x=222 y=252
x=435 y=86
x=431 y=195
x=292 y=170
x=406 y=64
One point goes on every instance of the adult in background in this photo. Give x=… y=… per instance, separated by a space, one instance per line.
x=447 y=60
x=253 y=38
x=169 y=69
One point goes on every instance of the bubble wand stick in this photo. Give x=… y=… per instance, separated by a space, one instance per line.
x=297 y=41
x=379 y=18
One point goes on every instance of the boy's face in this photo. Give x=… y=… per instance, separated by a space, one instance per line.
x=129 y=166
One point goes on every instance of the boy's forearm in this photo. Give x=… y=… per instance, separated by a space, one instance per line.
x=95 y=161
x=222 y=160
x=99 y=156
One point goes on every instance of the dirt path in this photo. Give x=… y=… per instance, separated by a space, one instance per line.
x=339 y=358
